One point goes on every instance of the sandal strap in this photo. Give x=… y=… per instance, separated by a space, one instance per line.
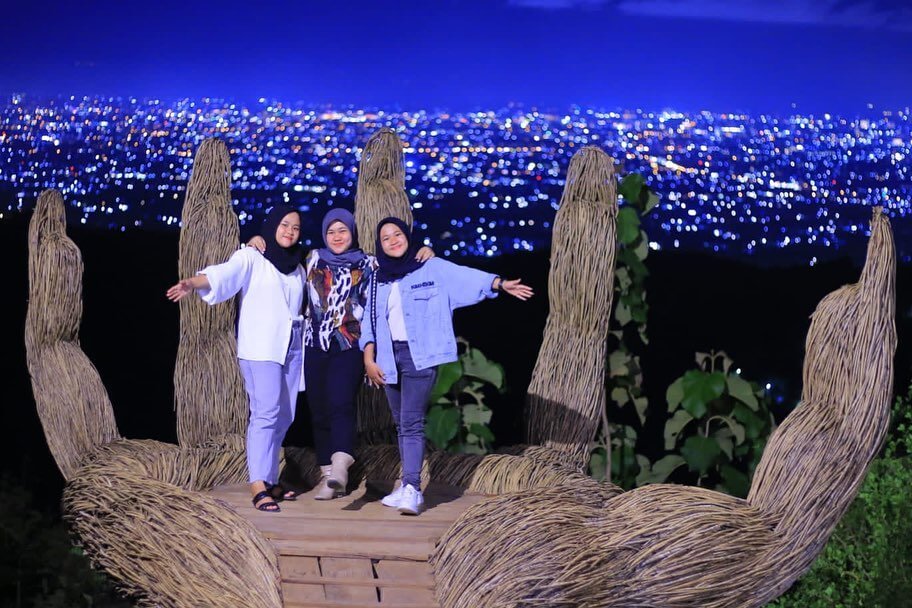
x=261 y=495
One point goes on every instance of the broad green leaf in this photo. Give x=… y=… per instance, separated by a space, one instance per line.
x=639 y=313
x=622 y=314
x=641 y=403
x=628 y=225
x=701 y=453
x=674 y=426
x=643 y=337
x=481 y=431
x=442 y=425
x=619 y=395
x=630 y=187
x=675 y=394
x=733 y=428
x=447 y=375
x=474 y=413
x=642 y=462
x=734 y=481
x=617 y=363
x=754 y=425
x=623 y=461
x=659 y=471
x=699 y=389
x=726 y=445
x=634 y=264
x=475 y=364
x=623 y=278
x=740 y=389
x=651 y=201
x=642 y=248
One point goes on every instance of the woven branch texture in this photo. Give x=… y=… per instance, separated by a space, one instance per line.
x=567 y=392
x=668 y=545
x=72 y=403
x=550 y=536
x=209 y=394
x=138 y=511
x=135 y=506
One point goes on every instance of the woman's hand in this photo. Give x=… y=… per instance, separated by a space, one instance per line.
x=374 y=374
x=181 y=290
x=424 y=254
x=258 y=243
x=516 y=289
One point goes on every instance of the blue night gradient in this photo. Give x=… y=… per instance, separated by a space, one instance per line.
x=722 y=55
x=768 y=129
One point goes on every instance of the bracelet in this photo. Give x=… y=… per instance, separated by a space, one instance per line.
x=499 y=282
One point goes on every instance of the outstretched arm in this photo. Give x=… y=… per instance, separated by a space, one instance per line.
x=185 y=287
x=513 y=287
x=218 y=282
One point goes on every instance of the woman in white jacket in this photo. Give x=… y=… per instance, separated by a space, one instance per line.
x=270 y=327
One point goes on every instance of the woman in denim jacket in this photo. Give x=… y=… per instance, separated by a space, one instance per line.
x=408 y=332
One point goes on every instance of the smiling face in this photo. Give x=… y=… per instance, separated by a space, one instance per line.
x=338 y=237
x=289 y=230
x=393 y=241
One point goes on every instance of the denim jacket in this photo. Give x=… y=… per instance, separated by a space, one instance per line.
x=429 y=296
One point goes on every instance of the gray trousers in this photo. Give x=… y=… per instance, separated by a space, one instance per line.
x=273 y=392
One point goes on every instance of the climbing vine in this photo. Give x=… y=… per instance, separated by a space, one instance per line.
x=613 y=453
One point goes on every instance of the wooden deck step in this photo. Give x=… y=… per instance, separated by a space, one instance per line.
x=353 y=551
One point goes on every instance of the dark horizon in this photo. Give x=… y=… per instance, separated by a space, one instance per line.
x=833 y=56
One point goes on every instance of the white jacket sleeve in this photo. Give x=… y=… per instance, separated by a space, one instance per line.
x=227 y=279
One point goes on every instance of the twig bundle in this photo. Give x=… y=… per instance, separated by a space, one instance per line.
x=567 y=392
x=209 y=395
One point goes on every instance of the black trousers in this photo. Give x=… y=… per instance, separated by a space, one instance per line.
x=333 y=378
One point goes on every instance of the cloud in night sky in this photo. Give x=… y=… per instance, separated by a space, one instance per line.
x=888 y=15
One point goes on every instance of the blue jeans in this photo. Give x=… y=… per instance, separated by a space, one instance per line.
x=273 y=393
x=408 y=401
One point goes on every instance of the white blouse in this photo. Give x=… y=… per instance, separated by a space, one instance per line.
x=270 y=302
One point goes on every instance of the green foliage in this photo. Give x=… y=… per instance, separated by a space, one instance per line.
x=899 y=442
x=868 y=560
x=39 y=567
x=718 y=426
x=614 y=450
x=458 y=418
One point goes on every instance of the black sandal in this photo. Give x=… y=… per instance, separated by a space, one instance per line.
x=268 y=506
x=279 y=493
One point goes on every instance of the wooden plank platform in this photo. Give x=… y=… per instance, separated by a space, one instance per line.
x=353 y=551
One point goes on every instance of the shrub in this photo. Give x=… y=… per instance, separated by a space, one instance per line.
x=868 y=560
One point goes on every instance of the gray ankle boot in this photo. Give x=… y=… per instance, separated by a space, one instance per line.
x=338 y=478
x=324 y=492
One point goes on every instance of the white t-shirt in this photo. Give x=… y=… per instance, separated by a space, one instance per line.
x=394 y=315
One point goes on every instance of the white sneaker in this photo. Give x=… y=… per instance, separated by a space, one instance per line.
x=411 y=502
x=392 y=500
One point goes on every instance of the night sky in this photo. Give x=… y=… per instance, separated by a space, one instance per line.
x=722 y=55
